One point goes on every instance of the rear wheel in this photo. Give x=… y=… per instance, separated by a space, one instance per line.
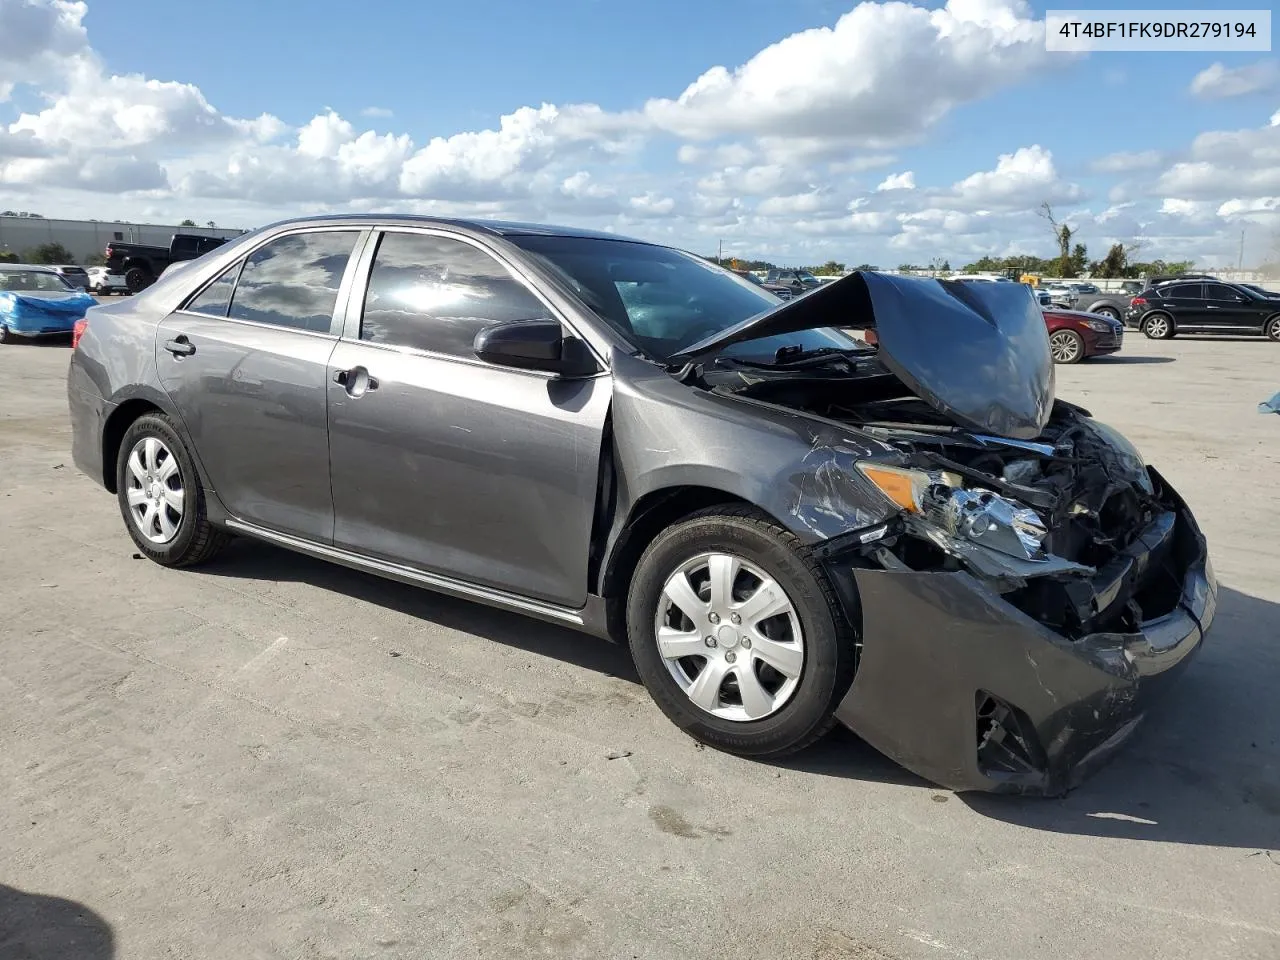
x=1272 y=328
x=1067 y=346
x=1110 y=312
x=161 y=498
x=737 y=634
x=137 y=279
x=1158 y=326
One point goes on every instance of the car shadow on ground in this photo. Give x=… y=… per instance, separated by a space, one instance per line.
x=61 y=340
x=1204 y=769
x=1107 y=361
x=35 y=926
x=252 y=560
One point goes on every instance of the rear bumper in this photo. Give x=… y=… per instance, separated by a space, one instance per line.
x=89 y=412
x=962 y=688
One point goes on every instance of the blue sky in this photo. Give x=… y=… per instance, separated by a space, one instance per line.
x=140 y=109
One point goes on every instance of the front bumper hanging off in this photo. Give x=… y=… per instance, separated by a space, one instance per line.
x=961 y=687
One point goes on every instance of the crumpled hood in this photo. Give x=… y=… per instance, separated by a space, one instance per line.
x=976 y=352
x=53 y=304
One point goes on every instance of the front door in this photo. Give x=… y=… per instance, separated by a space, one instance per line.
x=246 y=364
x=447 y=464
x=1226 y=310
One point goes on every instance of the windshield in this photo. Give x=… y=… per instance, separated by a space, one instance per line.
x=663 y=300
x=37 y=280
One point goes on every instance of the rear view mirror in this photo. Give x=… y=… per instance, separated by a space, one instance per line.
x=535 y=345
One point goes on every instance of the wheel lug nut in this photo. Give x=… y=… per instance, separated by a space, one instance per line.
x=746 y=643
x=735 y=618
x=714 y=617
x=710 y=641
x=731 y=656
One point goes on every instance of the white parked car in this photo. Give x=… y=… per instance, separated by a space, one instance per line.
x=103 y=282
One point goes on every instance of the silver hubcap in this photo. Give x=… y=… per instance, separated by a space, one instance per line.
x=154 y=490
x=1064 y=346
x=1156 y=327
x=1273 y=329
x=730 y=637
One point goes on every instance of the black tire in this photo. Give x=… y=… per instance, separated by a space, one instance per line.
x=1271 y=329
x=5 y=335
x=137 y=279
x=1166 y=332
x=1110 y=312
x=829 y=640
x=196 y=539
x=1066 y=346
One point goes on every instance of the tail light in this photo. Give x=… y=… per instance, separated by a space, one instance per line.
x=78 y=331
x=1138 y=302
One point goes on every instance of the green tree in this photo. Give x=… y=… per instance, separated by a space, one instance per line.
x=867 y=266
x=50 y=253
x=187 y=223
x=831 y=268
x=907 y=267
x=95 y=260
x=8 y=256
x=1114 y=266
x=1079 y=259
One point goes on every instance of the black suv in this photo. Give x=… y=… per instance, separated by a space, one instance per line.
x=1202 y=306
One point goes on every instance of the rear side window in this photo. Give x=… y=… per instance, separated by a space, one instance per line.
x=293 y=281
x=1184 y=291
x=214 y=299
x=436 y=293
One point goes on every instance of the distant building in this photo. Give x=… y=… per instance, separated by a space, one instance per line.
x=84 y=238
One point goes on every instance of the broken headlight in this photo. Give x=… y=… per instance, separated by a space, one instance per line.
x=979 y=516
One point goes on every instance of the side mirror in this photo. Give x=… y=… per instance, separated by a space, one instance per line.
x=535 y=345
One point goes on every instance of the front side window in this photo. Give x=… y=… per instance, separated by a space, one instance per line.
x=293 y=281
x=660 y=299
x=1220 y=291
x=436 y=293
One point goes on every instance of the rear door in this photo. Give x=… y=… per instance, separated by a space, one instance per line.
x=442 y=462
x=245 y=361
x=1185 y=303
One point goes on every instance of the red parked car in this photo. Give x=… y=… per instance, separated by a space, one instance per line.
x=1075 y=336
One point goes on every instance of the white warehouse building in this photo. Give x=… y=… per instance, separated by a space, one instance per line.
x=84 y=238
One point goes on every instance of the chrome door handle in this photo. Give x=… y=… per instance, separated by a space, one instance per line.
x=356 y=380
x=180 y=346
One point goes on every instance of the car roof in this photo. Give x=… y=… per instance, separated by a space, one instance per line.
x=35 y=267
x=502 y=228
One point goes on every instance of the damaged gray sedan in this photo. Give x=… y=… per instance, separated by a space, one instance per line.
x=789 y=528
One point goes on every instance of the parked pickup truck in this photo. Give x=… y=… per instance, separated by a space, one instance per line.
x=1087 y=298
x=142 y=263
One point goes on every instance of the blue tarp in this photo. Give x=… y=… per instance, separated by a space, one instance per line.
x=31 y=313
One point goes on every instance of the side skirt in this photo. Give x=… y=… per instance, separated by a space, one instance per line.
x=589 y=619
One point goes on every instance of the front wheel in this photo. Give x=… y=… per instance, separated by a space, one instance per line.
x=161 y=498
x=1067 y=346
x=1272 y=328
x=5 y=335
x=1109 y=312
x=737 y=634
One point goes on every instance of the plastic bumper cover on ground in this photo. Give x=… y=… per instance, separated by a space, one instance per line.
x=947 y=665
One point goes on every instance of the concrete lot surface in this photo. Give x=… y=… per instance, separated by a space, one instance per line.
x=271 y=757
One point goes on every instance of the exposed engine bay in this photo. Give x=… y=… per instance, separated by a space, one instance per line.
x=1071 y=528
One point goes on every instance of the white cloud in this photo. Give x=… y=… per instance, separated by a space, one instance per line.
x=377 y=113
x=883 y=74
x=1218 y=82
x=40 y=43
x=898 y=181
x=1024 y=178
